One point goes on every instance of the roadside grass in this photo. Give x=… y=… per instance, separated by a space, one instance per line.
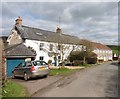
x=62 y=71
x=89 y=65
x=0 y=92
x=13 y=89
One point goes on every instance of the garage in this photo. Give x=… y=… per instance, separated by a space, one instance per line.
x=11 y=63
x=15 y=55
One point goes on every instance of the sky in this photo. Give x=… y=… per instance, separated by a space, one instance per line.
x=94 y=20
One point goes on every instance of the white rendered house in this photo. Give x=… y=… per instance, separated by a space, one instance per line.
x=47 y=45
x=54 y=46
x=103 y=52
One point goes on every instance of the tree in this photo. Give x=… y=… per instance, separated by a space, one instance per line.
x=87 y=49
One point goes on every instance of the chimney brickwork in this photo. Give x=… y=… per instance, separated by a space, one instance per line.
x=18 y=21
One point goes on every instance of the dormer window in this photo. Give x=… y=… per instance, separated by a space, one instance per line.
x=41 y=46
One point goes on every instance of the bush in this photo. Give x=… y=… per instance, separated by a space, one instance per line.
x=49 y=61
x=92 y=60
x=101 y=60
x=78 y=56
x=77 y=62
x=75 y=56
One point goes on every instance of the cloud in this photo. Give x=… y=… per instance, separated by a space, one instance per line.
x=60 y=1
x=97 y=21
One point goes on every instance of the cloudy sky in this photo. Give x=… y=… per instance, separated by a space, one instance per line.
x=96 y=21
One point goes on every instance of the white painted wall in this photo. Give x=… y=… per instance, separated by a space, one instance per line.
x=67 y=48
x=103 y=54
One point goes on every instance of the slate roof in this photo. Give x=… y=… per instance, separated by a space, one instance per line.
x=19 y=50
x=44 y=35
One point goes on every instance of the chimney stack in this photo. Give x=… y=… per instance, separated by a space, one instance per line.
x=18 y=21
x=58 y=30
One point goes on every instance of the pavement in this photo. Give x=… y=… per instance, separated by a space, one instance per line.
x=69 y=67
x=37 y=84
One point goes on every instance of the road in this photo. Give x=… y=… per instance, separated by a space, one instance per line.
x=96 y=81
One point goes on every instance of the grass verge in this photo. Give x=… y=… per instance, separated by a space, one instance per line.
x=13 y=89
x=62 y=71
x=0 y=91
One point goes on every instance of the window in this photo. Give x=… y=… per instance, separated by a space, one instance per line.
x=20 y=65
x=23 y=64
x=41 y=46
x=51 y=47
x=28 y=64
x=59 y=47
x=38 y=63
x=41 y=58
x=59 y=57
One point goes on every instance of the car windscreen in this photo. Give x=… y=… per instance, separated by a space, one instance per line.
x=28 y=64
x=39 y=63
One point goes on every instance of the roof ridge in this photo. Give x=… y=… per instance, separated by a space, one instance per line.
x=37 y=28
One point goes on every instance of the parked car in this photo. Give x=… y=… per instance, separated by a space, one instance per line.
x=31 y=69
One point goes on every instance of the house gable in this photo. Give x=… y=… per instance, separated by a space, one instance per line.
x=14 y=38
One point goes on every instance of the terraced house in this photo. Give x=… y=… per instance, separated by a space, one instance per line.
x=55 y=46
x=47 y=45
x=103 y=52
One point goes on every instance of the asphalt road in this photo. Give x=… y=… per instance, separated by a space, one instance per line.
x=96 y=81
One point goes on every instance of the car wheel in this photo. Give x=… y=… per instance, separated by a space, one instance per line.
x=45 y=76
x=26 y=76
x=13 y=75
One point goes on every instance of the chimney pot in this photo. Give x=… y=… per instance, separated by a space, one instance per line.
x=58 y=30
x=19 y=21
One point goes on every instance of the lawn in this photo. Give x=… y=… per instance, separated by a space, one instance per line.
x=62 y=71
x=13 y=89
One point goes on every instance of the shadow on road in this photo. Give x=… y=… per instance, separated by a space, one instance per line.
x=115 y=63
x=113 y=85
x=21 y=79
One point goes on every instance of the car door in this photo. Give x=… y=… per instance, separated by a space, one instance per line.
x=22 y=69
x=17 y=70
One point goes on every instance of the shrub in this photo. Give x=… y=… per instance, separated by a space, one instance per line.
x=77 y=62
x=78 y=57
x=49 y=61
x=92 y=60
x=101 y=60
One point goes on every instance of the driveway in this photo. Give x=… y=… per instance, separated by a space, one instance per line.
x=34 y=85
